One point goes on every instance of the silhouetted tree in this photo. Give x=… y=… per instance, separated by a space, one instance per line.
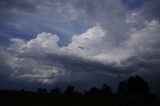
x=106 y=90
x=137 y=86
x=133 y=92
x=69 y=90
x=122 y=88
x=133 y=86
x=56 y=91
x=93 y=91
x=22 y=90
x=42 y=90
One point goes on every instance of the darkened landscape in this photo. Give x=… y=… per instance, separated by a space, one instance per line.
x=132 y=92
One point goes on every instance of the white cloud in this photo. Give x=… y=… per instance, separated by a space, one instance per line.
x=87 y=44
x=145 y=40
x=43 y=43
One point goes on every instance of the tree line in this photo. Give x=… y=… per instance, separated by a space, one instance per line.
x=131 y=92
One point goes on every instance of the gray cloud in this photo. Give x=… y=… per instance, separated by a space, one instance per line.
x=19 y=5
x=150 y=9
x=42 y=60
x=119 y=42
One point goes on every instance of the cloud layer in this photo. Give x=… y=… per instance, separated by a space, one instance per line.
x=89 y=42
x=41 y=59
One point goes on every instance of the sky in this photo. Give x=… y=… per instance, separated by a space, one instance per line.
x=80 y=42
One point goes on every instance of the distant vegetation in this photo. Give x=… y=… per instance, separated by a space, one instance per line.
x=131 y=92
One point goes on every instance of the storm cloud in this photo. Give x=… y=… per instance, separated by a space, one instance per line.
x=80 y=41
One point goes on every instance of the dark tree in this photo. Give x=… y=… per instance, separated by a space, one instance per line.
x=42 y=90
x=136 y=85
x=106 y=90
x=93 y=91
x=132 y=92
x=56 y=91
x=133 y=86
x=122 y=88
x=69 y=90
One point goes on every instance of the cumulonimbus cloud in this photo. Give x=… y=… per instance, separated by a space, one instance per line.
x=124 y=42
x=42 y=59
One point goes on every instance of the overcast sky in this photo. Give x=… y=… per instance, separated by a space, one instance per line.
x=81 y=42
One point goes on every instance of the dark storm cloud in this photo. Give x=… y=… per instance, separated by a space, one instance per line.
x=81 y=71
x=133 y=4
x=148 y=69
x=10 y=8
x=151 y=9
x=5 y=70
x=19 y=5
x=19 y=16
x=102 y=72
x=73 y=63
x=10 y=12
